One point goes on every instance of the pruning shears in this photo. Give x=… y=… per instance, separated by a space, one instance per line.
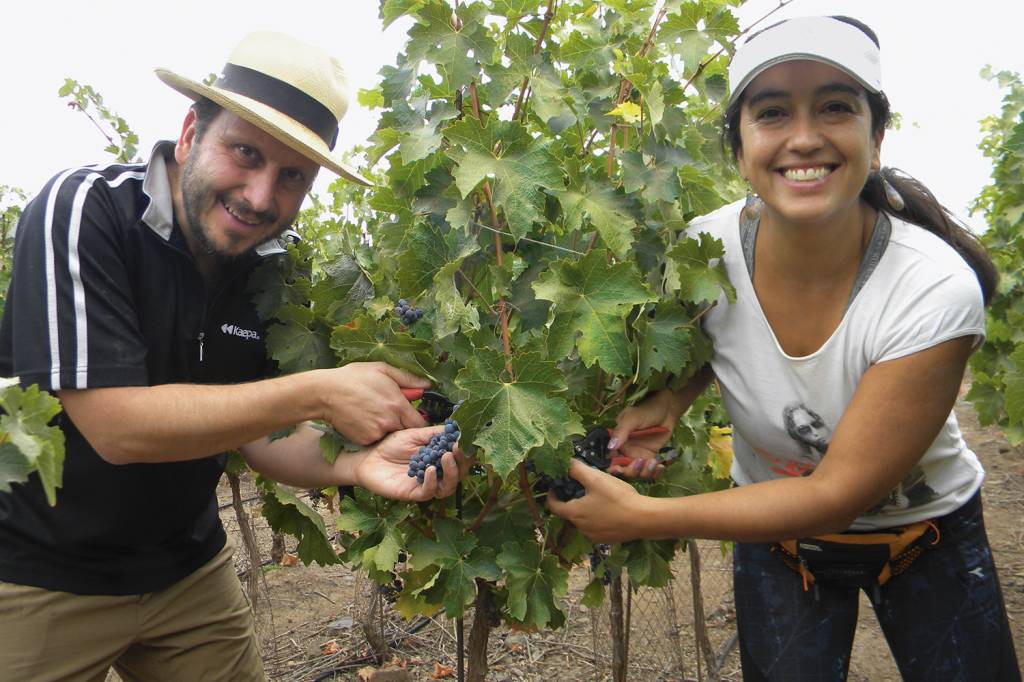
x=593 y=448
x=434 y=407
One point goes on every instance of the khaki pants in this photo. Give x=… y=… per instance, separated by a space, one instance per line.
x=198 y=630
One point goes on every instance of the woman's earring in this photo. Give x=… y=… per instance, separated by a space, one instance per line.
x=892 y=196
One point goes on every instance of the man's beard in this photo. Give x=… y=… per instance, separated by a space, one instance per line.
x=193 y=189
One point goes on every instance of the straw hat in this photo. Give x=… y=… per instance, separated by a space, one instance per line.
x=293 y=91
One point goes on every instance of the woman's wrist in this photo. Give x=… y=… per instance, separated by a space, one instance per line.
x=673 y=404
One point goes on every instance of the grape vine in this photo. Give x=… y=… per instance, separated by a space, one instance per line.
x=997 y=369
x=535 y=164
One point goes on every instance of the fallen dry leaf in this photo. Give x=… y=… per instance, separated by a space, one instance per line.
x=330 y=647
x=290 y=559
x=442 y=671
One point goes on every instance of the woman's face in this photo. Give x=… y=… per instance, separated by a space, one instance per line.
x=806 y=142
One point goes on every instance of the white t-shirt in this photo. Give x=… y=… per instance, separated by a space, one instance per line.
x=783 y=409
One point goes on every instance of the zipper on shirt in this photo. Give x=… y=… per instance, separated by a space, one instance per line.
x=202 y=335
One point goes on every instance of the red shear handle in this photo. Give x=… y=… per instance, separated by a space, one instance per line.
x=649 y=431
x=624 y=461
x=415 y=394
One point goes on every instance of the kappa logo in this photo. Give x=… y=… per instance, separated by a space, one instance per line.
x=235 y=330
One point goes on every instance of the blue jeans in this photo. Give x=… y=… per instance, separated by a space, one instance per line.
x=943 y=618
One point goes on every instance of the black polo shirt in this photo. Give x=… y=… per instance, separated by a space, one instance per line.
x=104 y=292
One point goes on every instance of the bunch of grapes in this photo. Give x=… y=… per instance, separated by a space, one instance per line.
x=389 y=591
x=430 y=454
x=406 y=314
x=565 y=487
x=599 y=563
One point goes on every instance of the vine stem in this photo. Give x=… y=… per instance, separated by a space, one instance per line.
x=476 y=291
x=524 y=486
x=614 y=399
x=499 y=255
x=76 y=105
x=624 y=84
x=421 y=530
x=704 y=64
x=703 y=312
x=521 y=99
x=611 y=149
x=492 y=499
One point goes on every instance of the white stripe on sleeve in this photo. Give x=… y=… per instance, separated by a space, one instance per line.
x=51 y=281
x=75 y=271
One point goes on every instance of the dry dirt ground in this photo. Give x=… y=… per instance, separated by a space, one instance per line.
x=311 y=620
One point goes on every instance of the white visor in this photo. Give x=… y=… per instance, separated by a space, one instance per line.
x=821 y=39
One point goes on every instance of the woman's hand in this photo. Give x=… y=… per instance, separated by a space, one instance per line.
x=384 y=468
x=610 y=512
x=661 y=409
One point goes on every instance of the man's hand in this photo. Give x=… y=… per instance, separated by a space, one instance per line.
x=364 y=402
x=384 y=468
x=609 y=512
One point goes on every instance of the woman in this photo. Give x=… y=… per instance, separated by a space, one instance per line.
x=859 y=301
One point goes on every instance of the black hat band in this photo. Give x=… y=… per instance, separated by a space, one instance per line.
x=283 y=97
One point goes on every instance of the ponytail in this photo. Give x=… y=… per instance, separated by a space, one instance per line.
x=920 y=207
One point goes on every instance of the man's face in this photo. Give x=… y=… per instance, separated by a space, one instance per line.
x=239 y=186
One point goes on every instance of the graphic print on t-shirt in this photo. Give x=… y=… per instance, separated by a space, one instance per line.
x=912 y=491
x=809 y=430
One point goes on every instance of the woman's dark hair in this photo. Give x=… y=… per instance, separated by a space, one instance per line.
x=920 y=205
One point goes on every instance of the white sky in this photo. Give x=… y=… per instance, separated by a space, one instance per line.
x=932 y=52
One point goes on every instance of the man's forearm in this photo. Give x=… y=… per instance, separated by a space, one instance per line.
x=176 y=422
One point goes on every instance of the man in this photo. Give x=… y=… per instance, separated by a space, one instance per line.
x=127 y=294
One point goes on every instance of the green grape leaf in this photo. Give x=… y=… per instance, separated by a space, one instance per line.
x=393 y=9
x=520 y=168
x=1013 y=399
x=586 y=48
x=514 y=9
x=658 y=181
x=648 y=563
x=535 y=584
x=340 y=293
x=27 y=441
x=376 y=520
x=701 y=281
x=298 y=342
x=424 y=252
x=683 y=36
x=664 y=340
x=608 y=213
x=286 y=513
x=461 y=561
x=454 y=52
x=510 y=416
x=366 y=340
x=593 y=594
x=591 y=299
x=698 y=195
x=452 y=313
x=410 y=602
x=397 y=81
x=419 y=143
